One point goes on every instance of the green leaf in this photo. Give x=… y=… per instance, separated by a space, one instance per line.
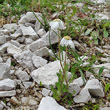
x=96 y=41
x=66 y=67
x=107 y=86
x=95 y=34
x=74 y=11
x=88 y=31
x=106 y=24
x=40 y=83
x=82 y=75
x=101 y=71
x=105 y=33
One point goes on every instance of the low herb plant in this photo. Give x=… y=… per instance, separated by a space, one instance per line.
x=61 y=90
x=91 y=106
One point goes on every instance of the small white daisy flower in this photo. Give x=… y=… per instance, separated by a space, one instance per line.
x=57 y=24
x=66 y=41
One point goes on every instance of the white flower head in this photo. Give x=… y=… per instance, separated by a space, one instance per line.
x=57 y=24
x=66 y=41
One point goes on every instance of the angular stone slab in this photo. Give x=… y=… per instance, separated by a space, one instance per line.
x=47 y=74
x=7 y=93
x=48 y=103
x=44 y=41
x=25 y=59
x=93 y=87
x=5 y=69
x=7 y=84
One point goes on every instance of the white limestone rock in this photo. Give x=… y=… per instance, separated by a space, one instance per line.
x=74 y=88
x=79 y=46
x=25 y=59
x=38 y=61
x=25 y=100
x=8 y=38
x=48 y=103
x=107 y=75
x=37 y=45
x=7 y=93
x=46 y=92
x=32 y=102
x=47 y=74
x=21 y=40
x=104 y=108
x=32 y=18
x=28 y=40
x=88 y=74
x=15 y=35
x=106 y=46
x=12 y=72
x=42 y=52
x=41 y=32
x=30 y=24
x=5 y=69
x=99 y=49
x=37 y=26
x=83 y=97
x=3 y=48
x=1 y=106
x=2 y=39
x=29 y=17
x=4 y=31
x=106 y=65
x=79 y=5
x=97 y=67
x=11 y=27
x=28 y=31
x=23 y=20
x=93 y=87
x=101 y=16
x=22 y=75
x=44 y=41
x=98 y=1
x=79 y=81
x=1 y=60
x=107 y=60
x=18 y=33
x=7 y=84
x=27 y=84
x=14 y=42
x=14 y=101
x=12 y=49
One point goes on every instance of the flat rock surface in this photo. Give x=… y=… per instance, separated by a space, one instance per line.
x=38 y=61
x=5 y=70
x=25 y=59
x=47 y=74
x=7 y=84
x=7 y=93
x=48 y=103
